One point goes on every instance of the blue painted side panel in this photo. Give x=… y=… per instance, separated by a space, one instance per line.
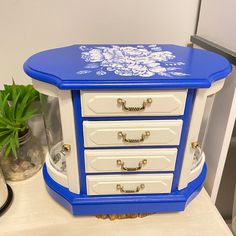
x=181 y=148
x=127 y=67
x=80 y=204
x=79 y=139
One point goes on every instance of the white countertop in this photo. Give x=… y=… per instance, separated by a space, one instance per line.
x=35 y=213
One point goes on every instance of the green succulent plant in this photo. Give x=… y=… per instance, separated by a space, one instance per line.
x=16 y=108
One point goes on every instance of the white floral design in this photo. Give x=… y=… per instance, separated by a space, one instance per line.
x=130 y=61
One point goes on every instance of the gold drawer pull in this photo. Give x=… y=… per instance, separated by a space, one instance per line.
x=122 y=102
x=126 y=140
x=196 y=146
x=140 y=165
x=197 y=152
x=122 y=190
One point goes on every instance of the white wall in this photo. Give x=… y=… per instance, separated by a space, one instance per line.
x=29 y=26
x=217 y=22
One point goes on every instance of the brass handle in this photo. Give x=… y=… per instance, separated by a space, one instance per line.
x=196 y=146
x=122 y=102
x=139 y=140
x=122 y=190
x=66 y=147
x=197 y=153
x=140 y=165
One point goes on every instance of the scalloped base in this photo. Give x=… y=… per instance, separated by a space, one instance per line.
x=81 y=204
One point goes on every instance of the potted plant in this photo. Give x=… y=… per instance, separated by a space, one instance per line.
x=22 y=155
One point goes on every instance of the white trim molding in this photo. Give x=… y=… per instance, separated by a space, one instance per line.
x=193 y=133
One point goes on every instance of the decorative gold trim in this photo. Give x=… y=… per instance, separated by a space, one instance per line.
x=195 y=145
x=124 y=168
x=66 y=147
x=122 y=102
x=122 y=216
x=123 y=190
x=138 y=140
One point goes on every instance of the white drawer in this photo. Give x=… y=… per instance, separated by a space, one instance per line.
x=131 y=133
x=130 y=160
x=132 y=103
x=129 y=184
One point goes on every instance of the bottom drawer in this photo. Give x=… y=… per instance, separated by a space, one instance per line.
x=129 y=184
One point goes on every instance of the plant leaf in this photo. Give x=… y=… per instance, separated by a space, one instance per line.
x=7 y=151
x=16 y=139
x=28 y=114
x=5 y=140
x=2 y=123
x=13 y=147
x=2 y=133
x=8 y=122
x=15 y=105
x=16 y=108
x=23 y=104
x=3 y=103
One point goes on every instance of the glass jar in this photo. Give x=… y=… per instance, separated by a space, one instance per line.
x=30 y=158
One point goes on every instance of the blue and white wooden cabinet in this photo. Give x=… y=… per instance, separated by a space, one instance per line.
x=123 y=124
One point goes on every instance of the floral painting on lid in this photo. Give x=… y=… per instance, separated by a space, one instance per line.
x=130 y=61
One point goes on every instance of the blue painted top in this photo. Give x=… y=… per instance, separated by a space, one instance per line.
x=127 y=66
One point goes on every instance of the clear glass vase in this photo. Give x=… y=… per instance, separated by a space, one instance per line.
x=52 y=122
x=30 y=158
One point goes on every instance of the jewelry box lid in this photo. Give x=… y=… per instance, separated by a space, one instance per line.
x=127 y=66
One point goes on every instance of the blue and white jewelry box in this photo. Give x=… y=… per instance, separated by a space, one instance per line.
x=122 y=124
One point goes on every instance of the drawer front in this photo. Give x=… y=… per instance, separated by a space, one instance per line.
x=129 y=184
x=131 y=133
x=130 y=160
x=133 y=103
